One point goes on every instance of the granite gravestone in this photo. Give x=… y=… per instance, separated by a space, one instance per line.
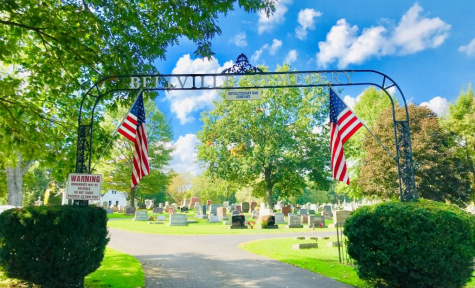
x=253 y=205
x=279 y=218
x=141 y=216
x=200 y=211
x=294 y=222
x=245 y=207
x=177 y=220
x=237 y=222
x=221 y=212
x=213 y=218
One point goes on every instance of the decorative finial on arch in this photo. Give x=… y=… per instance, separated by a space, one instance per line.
x=242 y=66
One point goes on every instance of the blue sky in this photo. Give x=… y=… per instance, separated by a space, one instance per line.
x=427 y=47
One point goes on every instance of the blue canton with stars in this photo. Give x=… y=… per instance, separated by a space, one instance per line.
x=336 y=106
x=139 y=111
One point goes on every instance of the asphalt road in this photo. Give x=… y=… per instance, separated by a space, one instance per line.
x=212 y=261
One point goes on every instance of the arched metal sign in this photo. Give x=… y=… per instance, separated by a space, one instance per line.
x=229 y=79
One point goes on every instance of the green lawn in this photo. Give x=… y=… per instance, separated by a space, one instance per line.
x=118 y=270
x=119 y=215
x=200 y=228
x=323 y=260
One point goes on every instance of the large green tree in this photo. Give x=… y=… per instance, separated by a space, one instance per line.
x=270 y=144
x=52 y=51
x=117 y=162
x=461 y=122
x=216 y=190
x=436 y=168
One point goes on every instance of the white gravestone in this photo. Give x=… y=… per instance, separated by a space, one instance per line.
x=279 y=218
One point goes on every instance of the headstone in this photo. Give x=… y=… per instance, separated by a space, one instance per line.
x=319 y=221
x=213 y=207
x=193 y=201
x=226 y=204
x=184 y=209
x=209 y=202
x=245 y=207
x=327 y=211
x=313 y=207
x=149 y=204
x=303 y=211
x=129 y=210
x=213 y=219
x=221 y=212
x=339 y=217
x=161 y=218
x=166 y=203
x=270 y=222
x=255 y=214
x=286 y=210
x=115 y=208
x=141 y=216
x=185 y=203
x=238 y=222
x=279 y=218
x=109 y=210
x=177 y=220
x=235 y=212
x=142 y=206
x=294 y=222
x=233 y=207
x=160 y=205
x=238 y=208
x=104 y=204
x=200 y=211
x=253 y=205
x=304 y=218
x=156 y=210
x=305 y=246
x=311 y=212
x=171 y=210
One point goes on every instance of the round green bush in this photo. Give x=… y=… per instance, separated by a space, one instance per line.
x=422 y=244
x=53 y=246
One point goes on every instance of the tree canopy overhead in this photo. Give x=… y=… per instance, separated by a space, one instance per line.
x=52 y=51
x=271 y=144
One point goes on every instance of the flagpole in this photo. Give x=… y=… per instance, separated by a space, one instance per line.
x=116 y=129
x=374 y=136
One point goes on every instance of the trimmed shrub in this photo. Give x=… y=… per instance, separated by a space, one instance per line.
x=53 y=246
x=422 y=244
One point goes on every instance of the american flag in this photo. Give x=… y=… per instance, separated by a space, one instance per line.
x=133 y=128
x=343 y=124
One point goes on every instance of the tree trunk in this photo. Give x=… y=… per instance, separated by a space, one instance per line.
x=15 y=181
x=269 y=186
x=132 y=196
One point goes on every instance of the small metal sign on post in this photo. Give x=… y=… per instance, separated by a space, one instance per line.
x=84 y=186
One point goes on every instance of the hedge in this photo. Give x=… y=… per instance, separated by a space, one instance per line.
x=53 y=246
x=423 y=244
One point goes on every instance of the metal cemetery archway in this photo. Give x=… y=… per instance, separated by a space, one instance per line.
x=229 y=79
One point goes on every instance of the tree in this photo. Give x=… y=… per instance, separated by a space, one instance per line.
x=118 y=159
x=269 y=145
x=461 y=122
x=435 y=162
x=179 y=186
x=368 y=106
x=52 y=51
x=216 y=190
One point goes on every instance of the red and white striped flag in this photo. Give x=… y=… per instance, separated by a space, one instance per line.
x=343 y=124
x=133 y=128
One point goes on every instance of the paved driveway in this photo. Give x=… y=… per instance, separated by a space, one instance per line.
x=212 y=261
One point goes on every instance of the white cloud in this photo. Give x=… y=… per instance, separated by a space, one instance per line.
x=185 y=102
x=276 y=44
x=350 y=101
x=413 y=33
x=291 y=57
x=469 y=49
x=266 y=24
x=239 y=39
x=257 y=53
x=437 y=104
x=306 y=21
x=185 y=155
